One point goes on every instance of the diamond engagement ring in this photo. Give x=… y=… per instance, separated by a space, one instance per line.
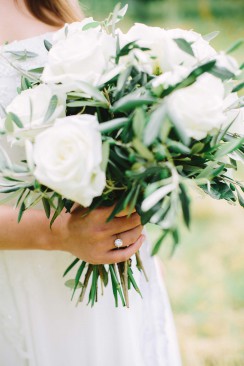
x=118 y=243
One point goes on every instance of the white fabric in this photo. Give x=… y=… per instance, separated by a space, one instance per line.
x=40 y=326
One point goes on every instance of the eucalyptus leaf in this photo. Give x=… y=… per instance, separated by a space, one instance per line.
x=235 y=46
x=142 y=150
x=159 y=242
x=139 y=120
x=91 y=25
x=47 y=45
x=184 y=46
x=16 y=119
x=132 y=101
x=22 y=55
x=71 y=284
x=208 y=37
x=228 y=147
x=105 y=155
x=78 y=276
x=113 y=124
x=238 y=87
x=154 y=125
x=51 y=108
x=221 y=73
x=46 y=206
x=8 y=124
x=92 y=91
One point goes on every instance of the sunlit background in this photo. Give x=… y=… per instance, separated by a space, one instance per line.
x=205 y=277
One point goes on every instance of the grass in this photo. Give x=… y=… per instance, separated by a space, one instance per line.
x=205 y=283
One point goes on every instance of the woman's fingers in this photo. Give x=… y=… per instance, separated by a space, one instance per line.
x=123 y=254
x=121 y=224
x=128 y=237
x=125 y=212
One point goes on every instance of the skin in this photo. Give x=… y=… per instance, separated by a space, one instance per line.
x=88 y=237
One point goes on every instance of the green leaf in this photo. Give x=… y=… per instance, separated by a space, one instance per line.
x=235 y=46
x=93 y=290
x=197 y=147
x=21 y=211
x=57 y=211
x=154 y=125
x=114 y=285
x=240 y=198
x=25 y=83
x=16 y=119
x=159 y=242
x=22 y=55
x=129 y=103
x=228 y=147
x=120 y=205
x=78 y=276
x=221 y=73
x=142 y=149
x=122 y=79
x=176 y=239
x=133 y=281
x=71 y=266
x=71 y=284
x=116 y=281
x=47 y=45
x=86 y=103
x=46 y=206
x=178 y=147
x=105 y=155
x=139 y=120
x=51 y=108
x=90 y=25
x=114 y=124
x=8 y=124
x=37 y=70
x=92 y=91
x=208 y=37
x=238 y=87
x=184 y=46
x=185 y=204
x=133 y=199
x=103 y=274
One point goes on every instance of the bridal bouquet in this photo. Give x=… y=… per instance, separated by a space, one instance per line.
x=131 y=119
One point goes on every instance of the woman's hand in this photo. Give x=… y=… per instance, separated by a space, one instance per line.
x=91 y=238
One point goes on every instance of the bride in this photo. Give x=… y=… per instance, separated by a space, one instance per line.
x=39 y=325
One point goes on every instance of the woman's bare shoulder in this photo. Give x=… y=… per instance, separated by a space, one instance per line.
x=16 y=25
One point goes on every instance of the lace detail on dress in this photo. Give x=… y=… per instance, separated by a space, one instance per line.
x=9 y=75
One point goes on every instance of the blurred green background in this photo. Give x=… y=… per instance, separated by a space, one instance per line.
x=205 y=277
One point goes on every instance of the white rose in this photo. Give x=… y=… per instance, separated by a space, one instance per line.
x=31 y=106
x=84 y=56
x=164 y=54
x=235 y=114
x=68 y=156
x=171 y=78
x=201 y=48
x=199 y=108
x=71 y=29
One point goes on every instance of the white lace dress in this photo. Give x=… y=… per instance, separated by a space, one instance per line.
x=40 y=326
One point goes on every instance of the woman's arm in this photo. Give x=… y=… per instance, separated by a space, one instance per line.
x=32 y=232
x=88 y=237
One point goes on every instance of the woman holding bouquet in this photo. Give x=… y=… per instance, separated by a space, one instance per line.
x=38 y=324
